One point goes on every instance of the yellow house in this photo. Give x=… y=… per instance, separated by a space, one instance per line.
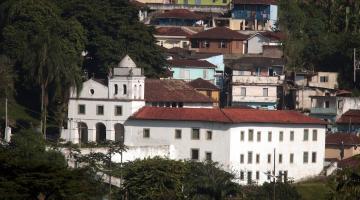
x=207 y=88
x=341 y=146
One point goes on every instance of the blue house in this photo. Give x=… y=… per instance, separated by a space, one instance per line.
x=255 y=14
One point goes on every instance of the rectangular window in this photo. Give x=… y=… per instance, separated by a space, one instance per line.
x=280 y=158
x=265 y=92
x=243 y=91
x=291 y=158
x=324 y=79
x=269 y=136
x=313 y=157
x=268 y=173
x=327 y=104
x=281 y=136
x=257 y=175
x=251 y=135
x=269 y=158
x=222 y=44
x=118 y=110
x=249 y=177
x=195 y=134
x=241 y=175
x=208 y=156
x=81 y=109
x=205 y=44
x=306 y=157
x=194 y=154
x=258 y=136
x=209 y=135
x=291 y=135
x=242 y=135
x=306 y=134
x=178 y=134
x=146 y=133
x=100 y=110
x=314 y=135
x=285 y=173
x=249 y=157
x=280 y=176
x=257 y=158
x=241 y=158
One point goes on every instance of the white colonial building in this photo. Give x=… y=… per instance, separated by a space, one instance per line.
x=241 y=140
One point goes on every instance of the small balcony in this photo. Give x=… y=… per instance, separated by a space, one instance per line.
x=323 y=111
x=258 y=80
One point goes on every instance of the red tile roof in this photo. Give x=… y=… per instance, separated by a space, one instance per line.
x=172 y=31
x=157 y=90
x=190 y=63
x=352 y=162
x=337 y=138
x=219 y=33
x=262 y=2
x=180 y=14
x=350 y=117
x=229 y=115
x=202 y=84
x=274 y=36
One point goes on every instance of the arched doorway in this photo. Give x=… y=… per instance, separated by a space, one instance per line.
x=100 y=132
x=83 y=132
x=119 y=133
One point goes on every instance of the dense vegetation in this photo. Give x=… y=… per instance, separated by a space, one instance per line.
x=322 y=35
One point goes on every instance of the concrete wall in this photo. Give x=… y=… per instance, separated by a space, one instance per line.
x=189 y=74
x=254 y=94
x=330 y=84
x=333 y=151
x=255 y=44
x=233 y=47
x=169 y=43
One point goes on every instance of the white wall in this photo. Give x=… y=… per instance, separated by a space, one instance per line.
x=254 y=93
x=255 y=44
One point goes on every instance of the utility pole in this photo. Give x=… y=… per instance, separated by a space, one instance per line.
x=274 y=173
x=6 y=113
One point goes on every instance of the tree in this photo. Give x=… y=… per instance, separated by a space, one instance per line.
x=283 y=191
x=7 y=77
x=46 y=47
x=112 y=31
x=30 y=171
x=205 y=180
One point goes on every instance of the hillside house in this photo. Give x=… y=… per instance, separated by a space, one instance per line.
x=178 y=17
x=172 y=37
x=207 y=88
x=341 y=146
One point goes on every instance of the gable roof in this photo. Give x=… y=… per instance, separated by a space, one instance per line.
x=180 y=14
x=172 y=31
x=228 y=115
x=248 y=62
x=219 y=33
x=200 y=83
x=350 y=117
x=157 y=90
x=190 y=63
x=337 y=138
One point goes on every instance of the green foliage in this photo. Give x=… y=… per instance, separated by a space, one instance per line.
x=283 y=191
x=28 y=170
x=321 y=36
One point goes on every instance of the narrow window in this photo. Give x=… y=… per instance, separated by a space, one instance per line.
x=146 y=133
x=249 y=157
x=281 y=136
x=269 y=158
x=269 y=136
x=124 y=89
x=306 y=157
x=81 y=109
x=194 y=154
x=178 y=134
x=209 y=135
x=280 y=158
x=268 y=175
x=208 y=156
x=306 y=134
x=243 y=91
x=249 y=177
x=285 y=173
x=241 y=175
x=100 y=110
x=118 y=110
x=313 y=157
x=258 y=136
x=291 y=158
x=257 y=175
x=265 y=92
x=257 y=158
x=195 y=134
x=251 y=135
x=242 y=135
x=314 y=135
x=241 y=158
x=116 y=89
x=291 y=135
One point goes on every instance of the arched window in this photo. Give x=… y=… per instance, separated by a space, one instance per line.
x=124 y=89
x=116 y=89
x=140 y=91
x=100 y=132
x=135 y=91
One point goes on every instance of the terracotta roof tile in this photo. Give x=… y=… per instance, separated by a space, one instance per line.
x=352 y=162
x=180 y=14
x=172 y=31
x=157 y=90
x=219 y=33
x=350 y=116
x=274 y=36
x=190 y=63
x=231 y=115
x=337 y=138
x=200 y=83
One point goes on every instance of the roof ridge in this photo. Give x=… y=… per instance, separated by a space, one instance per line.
x=232 y=121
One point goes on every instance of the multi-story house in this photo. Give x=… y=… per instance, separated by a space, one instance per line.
x=256 y=82
x=178 y=17
x=255 y=14
x=170 y=37
x=265 y=43
x=219 y=40
x=341 y=146
x=207 y=88
x=349 y=122
x=289 y=140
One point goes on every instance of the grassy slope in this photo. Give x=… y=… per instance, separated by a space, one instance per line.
x=316 y=189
